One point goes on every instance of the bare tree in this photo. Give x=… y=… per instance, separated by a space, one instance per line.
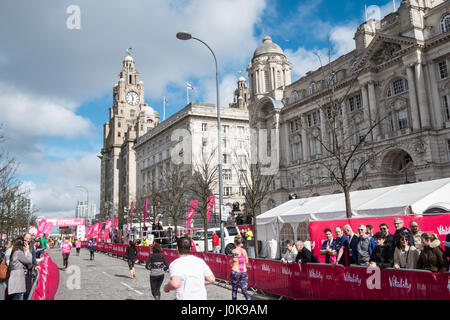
x=254 y=185
x=175 y=191
x=204 y=181
x=348 y=149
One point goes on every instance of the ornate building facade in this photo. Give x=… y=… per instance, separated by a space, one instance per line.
x=395 y=86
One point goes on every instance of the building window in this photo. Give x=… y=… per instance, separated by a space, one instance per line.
x=227 y=174
x=273 y=184
x=318 y=174
x=446 y=106
x=296 y=151
x=351 y=103
x=292 y=124
x=358 y=102
x=296 y=125
x=242 y=174
x=299 y=177
x=354 y=168
x=312 y=88
x=132 y=113
x=118 y=124
x=294 y=97
x=241 y=144
x=315 y=118
x=279 y=79
x=118 y=134
x=398 y=86
x=443 y=71
x=241 y=130
x=333 y=78
x=225 y=128
x=445 y=23
x=227 y=191
x=309 y=120
x=242 y=191
x=225 y=158
x=402 y=117
x=267 y=80
x=311 y=178
x=225 y=143
x=360 y=131
x=242 y=159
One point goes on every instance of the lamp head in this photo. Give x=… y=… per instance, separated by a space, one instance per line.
x=184 y=36
x=100 y=156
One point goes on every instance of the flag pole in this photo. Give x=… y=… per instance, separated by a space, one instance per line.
x=187 y=95
x=365 y=10
x=393 y=1
x=164 y=108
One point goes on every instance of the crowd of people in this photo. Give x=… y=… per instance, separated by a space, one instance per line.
x=404 y=248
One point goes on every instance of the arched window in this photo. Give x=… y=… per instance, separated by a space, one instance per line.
x=312 y=88
x=445 y=23
x=333 y=78
x=286 y=233
x=303 y=231
x=294 y=97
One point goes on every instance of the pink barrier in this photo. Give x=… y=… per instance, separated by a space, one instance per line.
x=320 y=281
x=48 y=280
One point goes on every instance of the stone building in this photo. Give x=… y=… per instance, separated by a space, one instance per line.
x=186 y=136
x=396 y=81
x=129 y=118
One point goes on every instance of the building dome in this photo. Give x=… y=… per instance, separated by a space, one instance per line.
x=129 y=58
x=147 y=111
x=241 y=78
x=267 y=47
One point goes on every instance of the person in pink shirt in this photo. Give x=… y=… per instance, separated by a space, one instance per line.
x=66 y=246
x=78 y=246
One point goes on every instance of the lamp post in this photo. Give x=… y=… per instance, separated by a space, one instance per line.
x=188 y=36
x=101 y=156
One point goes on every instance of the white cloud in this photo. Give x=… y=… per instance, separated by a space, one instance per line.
x=342 y=39
x=227 y=86
x=33 y=115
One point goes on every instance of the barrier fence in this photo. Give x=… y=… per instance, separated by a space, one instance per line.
x=318 y=281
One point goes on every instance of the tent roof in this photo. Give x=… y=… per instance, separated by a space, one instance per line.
x=387 y=201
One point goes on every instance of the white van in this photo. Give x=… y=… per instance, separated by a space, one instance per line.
x=230 y=233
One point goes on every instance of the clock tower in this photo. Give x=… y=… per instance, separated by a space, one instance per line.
x=129 y=118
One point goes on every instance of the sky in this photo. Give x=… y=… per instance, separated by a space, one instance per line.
x=56 y=81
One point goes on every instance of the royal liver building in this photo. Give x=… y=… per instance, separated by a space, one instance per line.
x=391 y=96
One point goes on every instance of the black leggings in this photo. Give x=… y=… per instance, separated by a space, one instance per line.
x=92 y=254
x=155 y=284
x=65 y=259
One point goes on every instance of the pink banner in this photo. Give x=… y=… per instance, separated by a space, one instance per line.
x=48 y=280
x=210 y=207
x=67 y=222
x=47 y=229
x=191 y=211
x=33 y=230
x=97 y=229
x=145 y=210
x=439 y=224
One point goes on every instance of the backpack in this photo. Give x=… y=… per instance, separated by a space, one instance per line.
x=4 y=270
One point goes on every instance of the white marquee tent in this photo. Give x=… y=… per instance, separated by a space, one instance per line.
x=388 y=201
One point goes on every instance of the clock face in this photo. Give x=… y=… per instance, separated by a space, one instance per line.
x=132 y=98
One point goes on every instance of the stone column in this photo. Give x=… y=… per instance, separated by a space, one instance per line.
x=323 y=129
x=413 y=99
x=437 y=109
x=305 y=140
x=373 y=110
x=422 y=96
x=365 y=105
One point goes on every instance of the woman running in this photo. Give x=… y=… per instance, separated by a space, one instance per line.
x=66 y=246
x=157 y=264
x=239 y=274
x=131 y=255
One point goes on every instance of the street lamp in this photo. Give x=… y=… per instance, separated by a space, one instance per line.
x=188 y=36
x=101 y=156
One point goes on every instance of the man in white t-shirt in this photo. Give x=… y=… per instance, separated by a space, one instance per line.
x=188 y=274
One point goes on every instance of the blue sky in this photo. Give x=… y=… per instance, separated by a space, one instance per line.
x=56 y=84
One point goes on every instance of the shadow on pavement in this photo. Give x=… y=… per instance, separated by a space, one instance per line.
x=122 y=276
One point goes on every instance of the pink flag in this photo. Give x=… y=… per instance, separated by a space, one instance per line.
x=47 y=229
x=107 y=227
x=145 y=210
x=116 y=221
x=193 y=247
x=210 y=207
x=191 y=211
x=33 y=230
x=97 y=229
x=41 y=226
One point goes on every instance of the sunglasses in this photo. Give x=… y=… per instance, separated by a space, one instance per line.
x=361 y=230
x=383 y=229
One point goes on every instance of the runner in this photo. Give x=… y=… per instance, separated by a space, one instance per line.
x=188 y=274
x=91 y=248
x=66 y=246
x=78 y=246
x=157 y=264
x=131 y=255
x=239 y=274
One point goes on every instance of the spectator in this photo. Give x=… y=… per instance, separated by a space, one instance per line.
x=417 y=234
x=303 y=254
x=363 y=247
x=432 y=256
x=8 y=250
x=329 y=247
x=157 y=264
x=145 y=242
x=131 y=254
x=239 y=220
x=352 y=237
x=188 y=274
x=216 y=243
x=248 y=234
x=20 y=261
x=341 y=246
x=43 y=241
x=389 y=237
x=400 y=229
x=369 y=231
x=291 y=253
x=78 y=246
x=405 y=254
x=447 y=247
x=38 y=249
x=248 y=219
x=91 y=244
x=382 y=256
x=28 y=240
